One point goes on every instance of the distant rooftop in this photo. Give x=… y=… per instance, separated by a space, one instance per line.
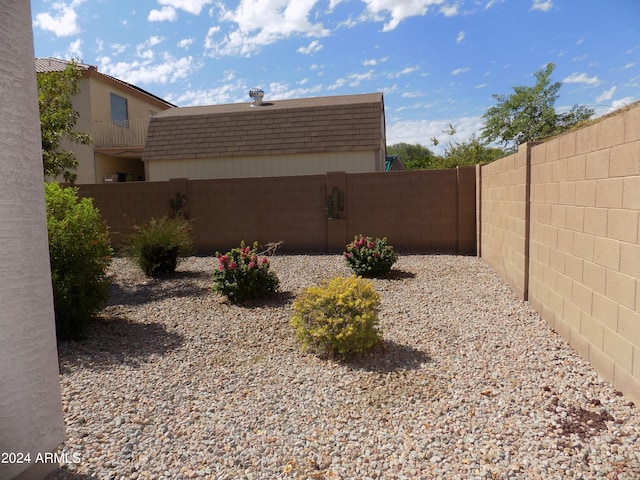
x=344 y=123
x=50 y=64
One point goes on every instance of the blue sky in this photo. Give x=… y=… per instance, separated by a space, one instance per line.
x=438 y=62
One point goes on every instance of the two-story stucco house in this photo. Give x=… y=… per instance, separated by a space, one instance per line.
x=303 y=136
x=116 y=114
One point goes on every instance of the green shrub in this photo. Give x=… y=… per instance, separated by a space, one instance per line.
x=242 y=274
x=79 y=252
x=368 y=257
x=338 y=317
x=156 y=246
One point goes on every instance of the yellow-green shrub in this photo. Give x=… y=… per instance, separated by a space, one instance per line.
x=338 y=317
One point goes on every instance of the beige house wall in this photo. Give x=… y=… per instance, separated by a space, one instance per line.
x=94 y=107
x=262 y=166
x=31 y=419
x=584 y=241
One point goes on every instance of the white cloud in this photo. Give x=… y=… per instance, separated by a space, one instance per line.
x=398 y=10
x=491 y=3
x=542 y=5
x=582 y=78
x=460 y=37
x=629 y=65
x=613 y=106
x=404 y=71
x=421 y=131
x=227 y=93
x=606 y=95
x=263 y=23
x=191 y=6
x=63 y=22
x=458 y=71
x=623 y=102
x=282 y=90
x=75 y=50
x=449 y=10
x=313 y=47
x=352 y=80
x=186 y=42
x=144 y=49
x=633 y=82
x=340 y=82
x=168 y=69
x=372 y=62
x=166 y=14
x=118 y=48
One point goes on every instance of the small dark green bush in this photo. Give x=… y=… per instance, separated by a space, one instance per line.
x=156 y=246
x=338 y=317
x=80 y=253
x=369 y=257
x=242 y=274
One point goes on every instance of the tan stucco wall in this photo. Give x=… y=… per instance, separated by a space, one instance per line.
x=583 y=256
x=262 y=166
x=101 y=103
x=30 y=403
x=93 y=105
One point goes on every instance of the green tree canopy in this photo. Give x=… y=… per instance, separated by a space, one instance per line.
x=58 y=120
x=413 y=156
x=469 y=152
x=528 y=114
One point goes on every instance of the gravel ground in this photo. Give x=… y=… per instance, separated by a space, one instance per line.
x=175 y=382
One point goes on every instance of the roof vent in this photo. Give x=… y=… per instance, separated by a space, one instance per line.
x=256 y=95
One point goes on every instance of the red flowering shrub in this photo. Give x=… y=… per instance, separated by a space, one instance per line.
x=369 y=257
x=242 y=274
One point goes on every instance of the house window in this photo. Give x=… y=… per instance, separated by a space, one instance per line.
x=119 y=111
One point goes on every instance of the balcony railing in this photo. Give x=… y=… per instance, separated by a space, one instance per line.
x=123 y=133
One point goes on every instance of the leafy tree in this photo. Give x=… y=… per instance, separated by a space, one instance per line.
x=466 y=153
x=528 y=114
x=58 y=120
x=470 y=152
x=414 y=157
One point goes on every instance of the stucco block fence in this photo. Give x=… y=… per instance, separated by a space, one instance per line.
x=415 y=210
x=560 y=223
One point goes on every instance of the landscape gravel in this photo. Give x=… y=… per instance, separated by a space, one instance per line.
x=174 y=382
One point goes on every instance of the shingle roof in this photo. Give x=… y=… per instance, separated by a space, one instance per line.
x=305 y=125
x=49 y=64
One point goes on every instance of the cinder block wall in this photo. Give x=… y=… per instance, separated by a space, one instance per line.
x=584 y=251
x=287 y=209
x=124 y=205
x=502 y=219
x=416 y=210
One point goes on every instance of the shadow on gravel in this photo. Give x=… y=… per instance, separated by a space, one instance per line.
x=176 y=285
x=397 y=275
x=63 y=474
x=276 y=300
x=394 y=358
x=115 y=341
